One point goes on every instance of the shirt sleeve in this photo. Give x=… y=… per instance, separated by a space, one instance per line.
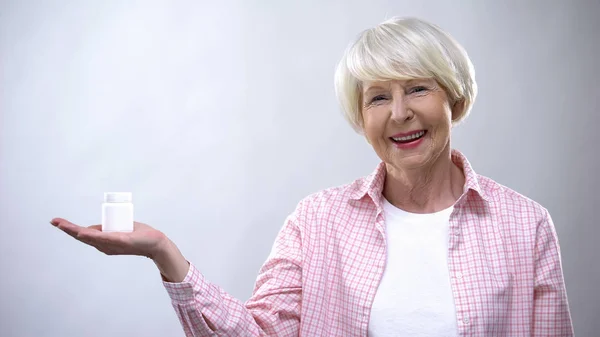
x=551 y=314
x=204 y=309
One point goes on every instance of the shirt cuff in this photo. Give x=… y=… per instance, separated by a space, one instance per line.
x=185 y=291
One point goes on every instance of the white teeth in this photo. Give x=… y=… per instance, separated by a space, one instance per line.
x=413 y=136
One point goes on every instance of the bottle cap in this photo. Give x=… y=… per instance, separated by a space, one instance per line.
x=117 y=197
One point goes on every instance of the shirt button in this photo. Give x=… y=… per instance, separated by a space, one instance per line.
x=466 y=320
x=459 y=275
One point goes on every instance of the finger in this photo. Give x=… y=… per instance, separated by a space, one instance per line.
x=139 y=225
x=59 y=221
x=77 y=232
x=87 y=235
x=68 y=227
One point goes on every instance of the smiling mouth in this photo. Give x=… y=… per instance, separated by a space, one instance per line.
x=410 y=138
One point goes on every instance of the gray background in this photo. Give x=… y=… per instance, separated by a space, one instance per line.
x=221 y=117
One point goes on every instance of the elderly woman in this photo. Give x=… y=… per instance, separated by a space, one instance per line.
x=423 y=246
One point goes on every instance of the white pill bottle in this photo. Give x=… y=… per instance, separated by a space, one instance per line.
x=117 y=212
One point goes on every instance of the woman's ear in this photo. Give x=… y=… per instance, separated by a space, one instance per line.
x=457 y=109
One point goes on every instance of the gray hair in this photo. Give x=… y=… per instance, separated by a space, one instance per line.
x=402 y=49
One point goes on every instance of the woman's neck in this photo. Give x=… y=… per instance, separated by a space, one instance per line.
x=425 y=190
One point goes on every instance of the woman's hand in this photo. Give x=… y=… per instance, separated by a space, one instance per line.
x=143 y=241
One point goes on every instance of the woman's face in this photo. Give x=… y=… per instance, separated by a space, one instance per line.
x=407 y=122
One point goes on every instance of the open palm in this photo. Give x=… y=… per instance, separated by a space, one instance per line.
x=143 y=241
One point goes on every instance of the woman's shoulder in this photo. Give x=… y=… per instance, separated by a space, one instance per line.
x=501 y=199
x=510 y=201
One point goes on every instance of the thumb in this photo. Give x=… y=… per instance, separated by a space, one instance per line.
x=96 y=227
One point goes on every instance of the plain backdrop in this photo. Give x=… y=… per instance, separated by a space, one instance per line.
x=220 y=116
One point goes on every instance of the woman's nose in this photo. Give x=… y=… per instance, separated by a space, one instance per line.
x=400 y=110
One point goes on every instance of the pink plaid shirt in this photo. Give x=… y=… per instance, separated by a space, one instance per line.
x=323 y=272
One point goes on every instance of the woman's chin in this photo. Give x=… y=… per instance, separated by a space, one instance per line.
x=407 y=160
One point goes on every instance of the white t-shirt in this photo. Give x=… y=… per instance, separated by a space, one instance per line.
x=414 y=297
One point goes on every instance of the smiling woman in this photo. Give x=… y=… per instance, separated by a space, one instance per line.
x=423 y=246
x=408 y=123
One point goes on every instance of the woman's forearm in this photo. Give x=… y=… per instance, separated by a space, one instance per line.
x=170 y=262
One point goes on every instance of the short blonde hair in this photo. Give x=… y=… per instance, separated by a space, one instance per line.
x=402 y=49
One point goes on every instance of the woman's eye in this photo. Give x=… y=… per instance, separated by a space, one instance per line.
x=378 y=98
x=417 y=90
